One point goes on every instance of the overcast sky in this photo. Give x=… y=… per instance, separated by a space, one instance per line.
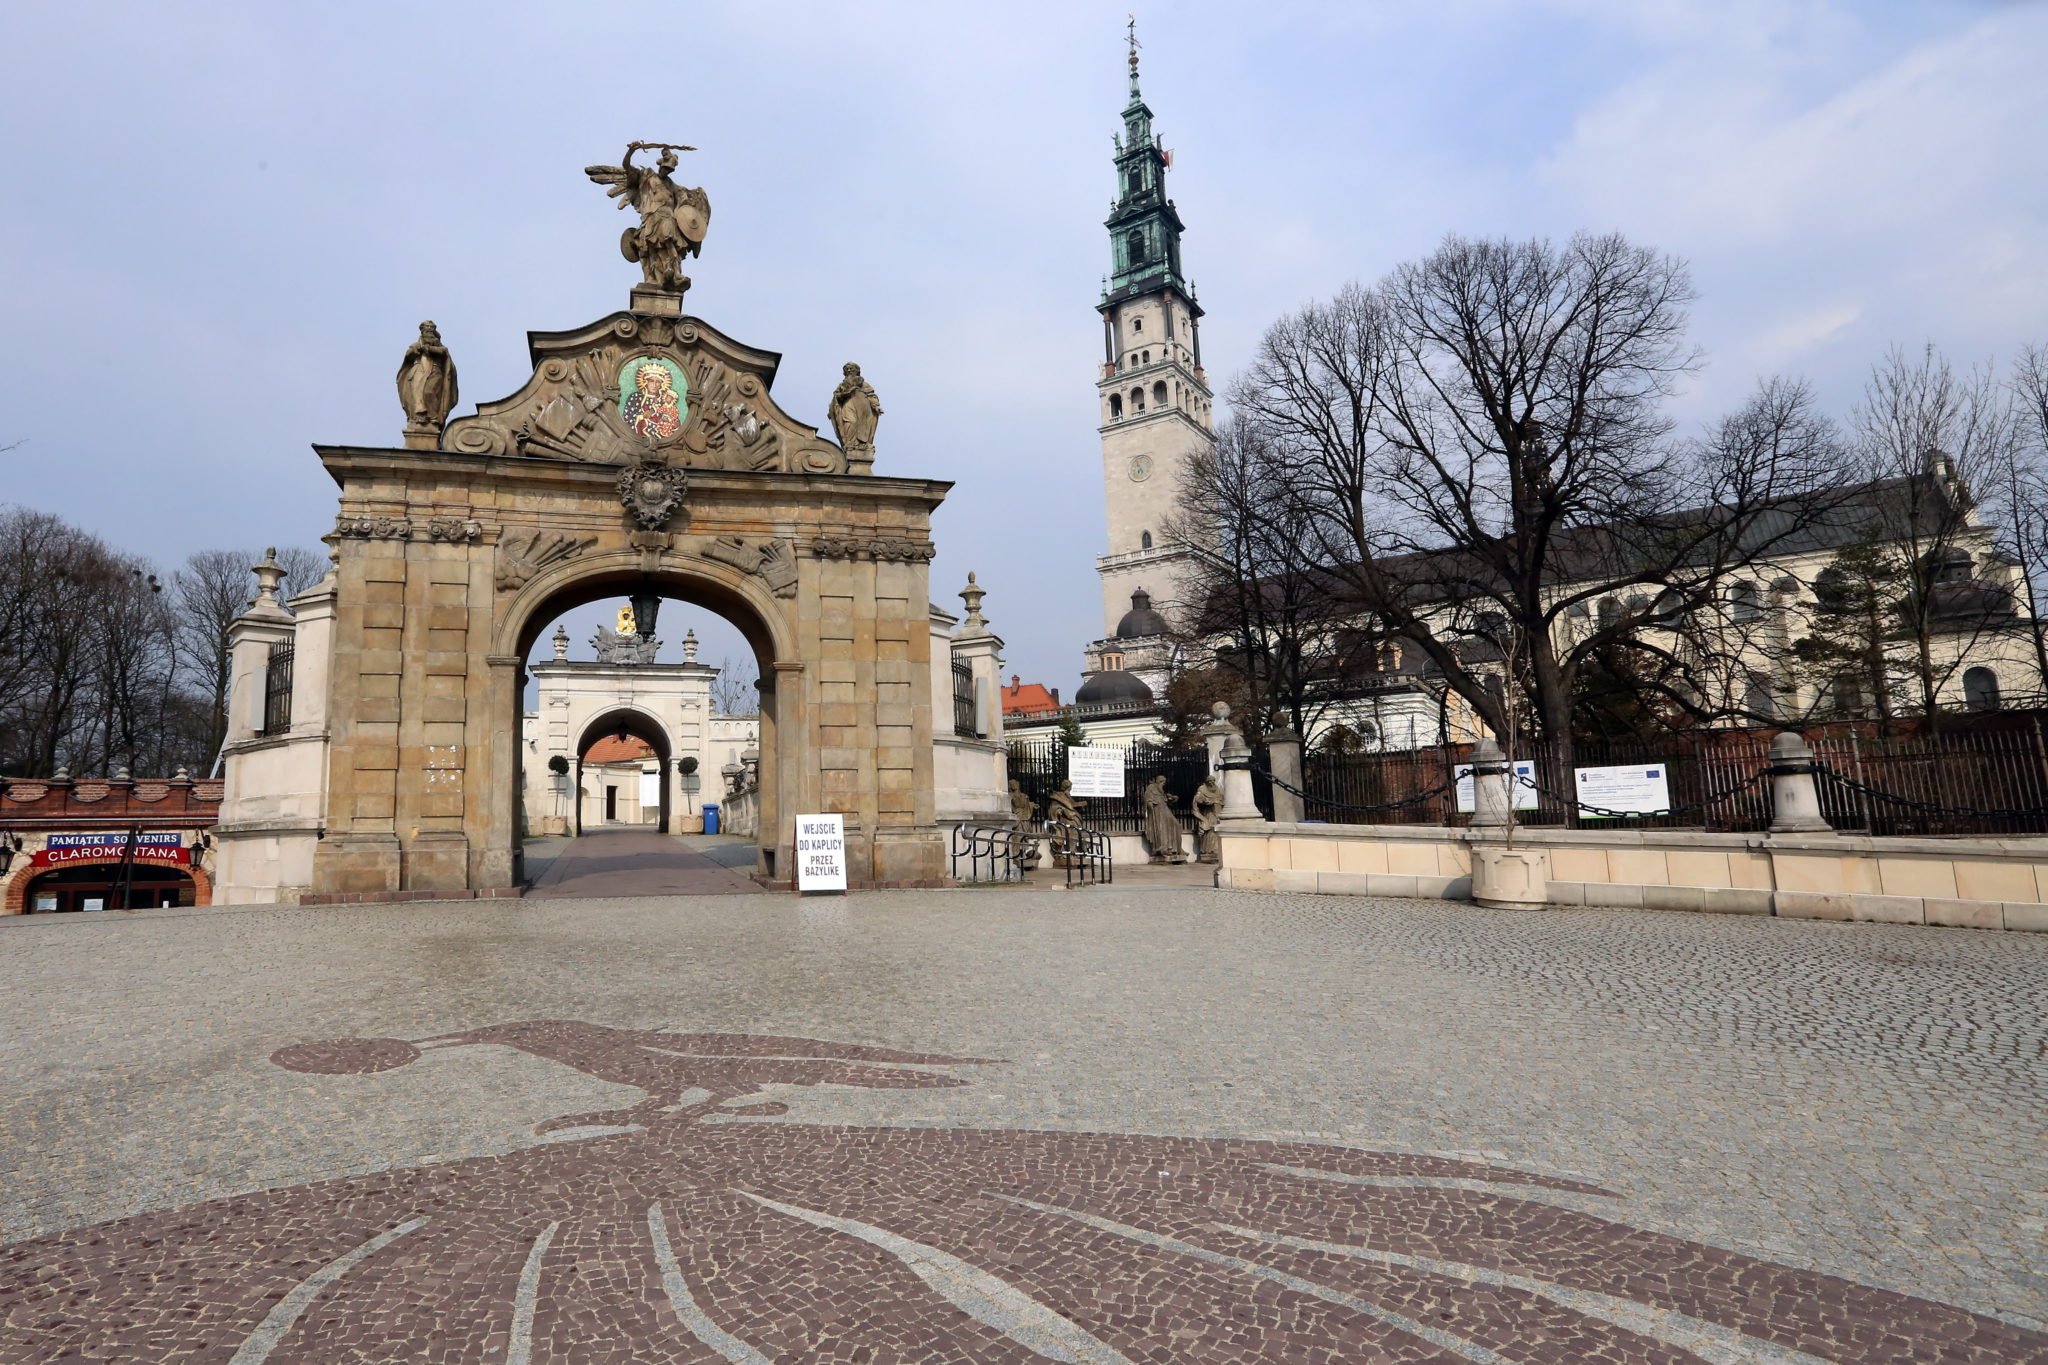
x=222 y=224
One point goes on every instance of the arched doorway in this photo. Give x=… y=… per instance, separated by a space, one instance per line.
x=712 y=587
x=624 y=723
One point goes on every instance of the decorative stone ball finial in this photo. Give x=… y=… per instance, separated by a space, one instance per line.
x=972 y=595
x=1221 y=710
x=690 y=646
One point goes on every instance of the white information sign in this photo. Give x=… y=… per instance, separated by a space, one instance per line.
x=1096 y=772
x=1641 y=787
x=821 y=853
x=1524 y=786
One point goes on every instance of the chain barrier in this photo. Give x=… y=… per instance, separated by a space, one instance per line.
x=1821 y=769
x=1701 y=806
x=1416 y=800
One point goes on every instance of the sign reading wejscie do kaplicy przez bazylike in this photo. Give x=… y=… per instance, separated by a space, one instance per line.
x=820 y=853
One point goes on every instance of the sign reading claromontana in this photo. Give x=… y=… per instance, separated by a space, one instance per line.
x=1096 y=772
x=821 y=853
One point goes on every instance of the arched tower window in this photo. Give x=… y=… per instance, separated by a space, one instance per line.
x=1137 y=400
x=1742 y=602
x=1116 y=406
x=1145 y=543
x=1980 y=689
x=1159 y=393
x=1134 y=246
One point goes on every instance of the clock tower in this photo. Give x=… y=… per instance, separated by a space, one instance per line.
x=1155 y=405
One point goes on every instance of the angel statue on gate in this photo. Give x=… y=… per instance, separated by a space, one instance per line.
x=672 y=217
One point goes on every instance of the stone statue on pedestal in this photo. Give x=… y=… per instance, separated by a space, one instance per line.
x=620 y=648
x=673 y=218
x=1060 y=810
x=1023 y=847
x=426 y=383
x=855 y=413
x=1162 y=827
x=1208 y=808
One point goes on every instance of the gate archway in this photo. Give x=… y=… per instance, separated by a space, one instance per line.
x=626 y=722
x=455 y=550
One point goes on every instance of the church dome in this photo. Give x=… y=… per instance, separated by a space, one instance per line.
x=1141 y=621
x=1113 y=686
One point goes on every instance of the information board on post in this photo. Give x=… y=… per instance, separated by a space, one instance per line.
x=1096 y=771
x=1524 y=786
x=1638 y=789
x=821 y=853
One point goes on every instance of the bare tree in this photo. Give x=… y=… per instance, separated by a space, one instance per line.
x=1483 y=448
x=735 y=691
x=212 y=589
x=1262 y=627
x=2016 y=490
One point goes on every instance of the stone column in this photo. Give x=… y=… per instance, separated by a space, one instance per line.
x=1235 y=765
x=1795 y=799
x=1493 y=805
x=1284 y=747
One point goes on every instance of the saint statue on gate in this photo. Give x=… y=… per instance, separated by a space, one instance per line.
x=1162 y=826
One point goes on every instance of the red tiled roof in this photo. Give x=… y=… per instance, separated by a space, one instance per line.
x=1023 y=698
x=614 y=749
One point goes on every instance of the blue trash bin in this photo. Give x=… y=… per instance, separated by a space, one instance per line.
x=711 y=819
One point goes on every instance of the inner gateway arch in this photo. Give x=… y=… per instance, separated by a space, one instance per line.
x=457 y=548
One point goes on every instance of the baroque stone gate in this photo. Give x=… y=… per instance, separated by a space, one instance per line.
x=644 y=452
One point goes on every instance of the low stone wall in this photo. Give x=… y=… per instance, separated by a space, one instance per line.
x=1968 y=883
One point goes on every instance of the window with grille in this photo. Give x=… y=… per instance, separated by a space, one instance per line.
x=963 y=700
x=277 y=690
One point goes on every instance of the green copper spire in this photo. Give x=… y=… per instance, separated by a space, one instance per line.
x=1144 y=228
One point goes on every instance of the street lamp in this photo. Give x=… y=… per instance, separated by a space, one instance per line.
x=10 y=844
x=646 y=603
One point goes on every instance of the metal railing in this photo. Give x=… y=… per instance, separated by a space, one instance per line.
x=277 y=690
x=1083 y=852
x=991 y=853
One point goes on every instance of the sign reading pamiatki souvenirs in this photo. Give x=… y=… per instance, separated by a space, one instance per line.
x=155 y=846
x=821 y=853
x=1096 y=772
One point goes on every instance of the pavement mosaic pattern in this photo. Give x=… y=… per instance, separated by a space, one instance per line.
x=1095 y=1126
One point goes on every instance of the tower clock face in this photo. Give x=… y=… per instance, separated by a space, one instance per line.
x=1141 y=468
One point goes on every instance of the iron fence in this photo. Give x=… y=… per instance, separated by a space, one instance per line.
x=1974 y=776
x=1040 y=768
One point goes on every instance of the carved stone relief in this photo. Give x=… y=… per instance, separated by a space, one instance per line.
x=651 y=492
x=462 y=530
x=887 y=549
x=773 y=560
x=520 y=557
x=373 y=528
x=630 y=387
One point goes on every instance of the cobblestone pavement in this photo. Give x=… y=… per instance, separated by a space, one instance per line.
x=638 y=862
x=1147 y=1125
